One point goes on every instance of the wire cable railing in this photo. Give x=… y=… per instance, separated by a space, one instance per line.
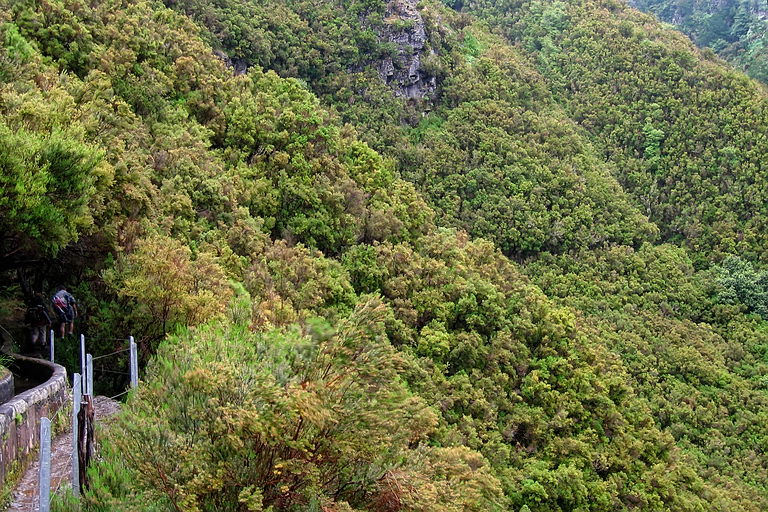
x=126 y=349
x=120 y=394
x=104 y=370
x=82 y=387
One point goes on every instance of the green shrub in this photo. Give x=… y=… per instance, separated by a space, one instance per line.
x=287 y=420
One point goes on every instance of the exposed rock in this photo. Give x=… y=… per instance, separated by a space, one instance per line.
x=238 y=66
x=404 y=26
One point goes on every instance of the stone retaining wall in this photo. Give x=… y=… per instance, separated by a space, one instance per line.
x=20 y=417
x=6 y=385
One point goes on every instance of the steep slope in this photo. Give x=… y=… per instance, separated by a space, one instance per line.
x=686 y=133
x=658 y=112
x=736 y=31
x=246 y=202
x=700 y=365
x=499 y=159
x=463 y=154
x=185 y=149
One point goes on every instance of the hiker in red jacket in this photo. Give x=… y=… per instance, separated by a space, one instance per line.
x=66 y=308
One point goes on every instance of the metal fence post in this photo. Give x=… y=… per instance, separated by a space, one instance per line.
x=82 y=360
x=51 y=340
x=134 y=364
x=89 y=375
x=76 y=387
x=44 y=477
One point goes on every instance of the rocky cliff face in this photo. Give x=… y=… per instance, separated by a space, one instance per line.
x=238 y=66
x=404 y=26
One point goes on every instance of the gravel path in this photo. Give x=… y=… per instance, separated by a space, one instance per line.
x=25 y=498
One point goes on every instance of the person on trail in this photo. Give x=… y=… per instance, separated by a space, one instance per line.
x=65 y=307
x=38 y=319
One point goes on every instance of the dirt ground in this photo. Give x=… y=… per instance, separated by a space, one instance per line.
x=25 y=497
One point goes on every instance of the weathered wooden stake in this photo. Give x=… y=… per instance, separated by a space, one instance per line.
x=85 y=439
x=76 y=388
x=44 y=476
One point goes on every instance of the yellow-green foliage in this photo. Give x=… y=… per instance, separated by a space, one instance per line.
x=289 y=284
x=50 y=173
x=519 y=379
x=699 y=365
x=617 y=376
x=167 y=287
x=226 y=418
x=501 y=160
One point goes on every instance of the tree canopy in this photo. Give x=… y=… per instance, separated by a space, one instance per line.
x=539 y=285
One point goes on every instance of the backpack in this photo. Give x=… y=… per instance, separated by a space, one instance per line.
x=37 y=315
x=60 y=304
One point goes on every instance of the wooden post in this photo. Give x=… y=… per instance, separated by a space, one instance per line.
x=76 y=388
x=44 y=477
x=85 y=440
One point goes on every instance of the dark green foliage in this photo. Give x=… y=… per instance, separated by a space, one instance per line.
x=518 y=379
x=742 y=284
x=699 y=365
x=304 y=39
x=135 y=149
x=14 y=53
x=660 y=111
x=62 y=31
x=554 y=193
x=324 y=188
x=736 y=30
x=488 y=169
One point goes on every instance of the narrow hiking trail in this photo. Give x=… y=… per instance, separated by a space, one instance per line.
x=25 y=496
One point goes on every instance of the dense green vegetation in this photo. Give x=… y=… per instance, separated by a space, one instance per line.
x=318 y=418
x=664 y=113
x=514 y=171
x=698 y=362
x=539 y=287
x=736 y=31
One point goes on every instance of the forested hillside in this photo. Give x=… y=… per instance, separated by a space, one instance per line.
x=686 y=133
x=736 y=31
x=397 y=256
